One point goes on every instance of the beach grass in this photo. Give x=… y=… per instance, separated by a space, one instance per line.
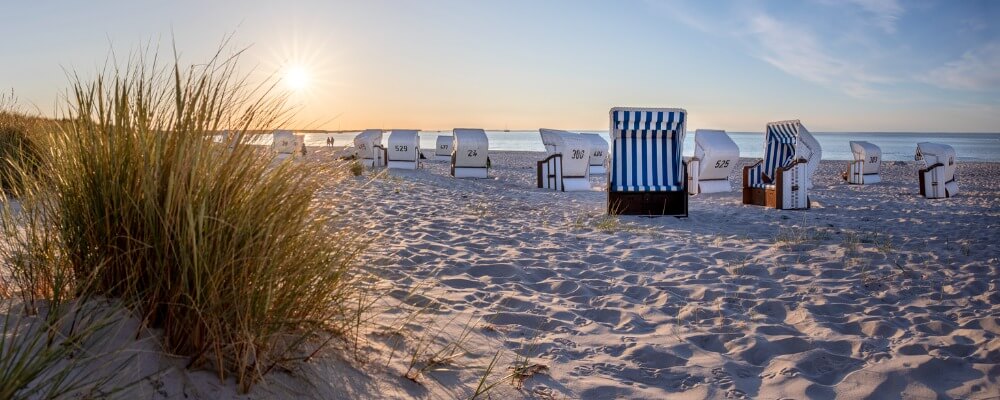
x=19 y=146
x=218 y=246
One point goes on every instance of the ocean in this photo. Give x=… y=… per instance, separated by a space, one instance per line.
x=895 y=146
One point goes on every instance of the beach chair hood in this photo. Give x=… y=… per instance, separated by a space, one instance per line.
x=365 y=142
x=404 y=148
x=574 y=147
x=285 y=142
x=787 y=141
x=598 y=149
x=711 y=146
x=869 y=153
x=471 y=148
x=646 y=149
x=934 y=153
x=442 y=146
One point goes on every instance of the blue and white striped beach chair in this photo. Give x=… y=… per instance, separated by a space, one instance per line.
x=647 y=174
x=782 y=179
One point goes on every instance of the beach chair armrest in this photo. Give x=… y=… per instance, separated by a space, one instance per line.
x=746 y=172
x=931 y=168
x=684 y=176
x=792 y=164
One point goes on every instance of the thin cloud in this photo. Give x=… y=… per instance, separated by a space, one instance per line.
x=884 y=12
x=977 y=70
x=797 y=52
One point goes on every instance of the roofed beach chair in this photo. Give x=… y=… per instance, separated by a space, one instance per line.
x=937 y=175
x=567 y=166
x=442 y=148
x=715 y=157
x=286 y=144
x=404 y=149
x=864 y=170
x=470 y=155
x=782 y=179
x=368 y=146
x=598 y=153
x=647 y=172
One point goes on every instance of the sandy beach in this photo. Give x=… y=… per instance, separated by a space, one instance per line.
x=875 y=292
x=188 y=209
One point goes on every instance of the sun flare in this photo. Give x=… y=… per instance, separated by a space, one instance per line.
x=297 y=78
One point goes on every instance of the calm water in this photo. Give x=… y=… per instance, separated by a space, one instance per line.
x=895 y=146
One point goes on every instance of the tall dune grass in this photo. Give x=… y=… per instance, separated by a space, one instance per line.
x=18 y=147
x=216 y=245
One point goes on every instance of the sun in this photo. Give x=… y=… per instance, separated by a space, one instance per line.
x=297 y=78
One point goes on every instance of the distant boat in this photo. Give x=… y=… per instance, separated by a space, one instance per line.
x=505 y=128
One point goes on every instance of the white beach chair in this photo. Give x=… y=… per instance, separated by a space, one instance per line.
x=286 y=144
x=782 y=179
x=368 y=146
x=715 y=158
x=442 y=148
x=471 y=154
x=647 y=171
x=937 y=175
x=567 y=166
x=865 y=168
x=598 y=154
x=404 y=149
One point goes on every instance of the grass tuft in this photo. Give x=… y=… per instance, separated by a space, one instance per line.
x=19 y=147
x=222 y=249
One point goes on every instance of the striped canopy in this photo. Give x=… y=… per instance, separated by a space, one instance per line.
x=779 y=151
x=634 y=121
x=646 y=149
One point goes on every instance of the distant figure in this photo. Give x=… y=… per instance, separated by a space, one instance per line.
x=303 y=149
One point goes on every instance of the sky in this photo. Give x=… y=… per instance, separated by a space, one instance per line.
x=837 y=65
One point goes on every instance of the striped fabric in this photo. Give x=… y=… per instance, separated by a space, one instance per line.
x=780 y=147
x=646 y=150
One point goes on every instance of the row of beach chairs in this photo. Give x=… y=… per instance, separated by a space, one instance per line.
x=467 y=149
x=646 y=174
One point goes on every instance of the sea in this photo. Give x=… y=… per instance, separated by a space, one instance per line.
x=896 y=146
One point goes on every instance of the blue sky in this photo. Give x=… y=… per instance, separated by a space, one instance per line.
x=855 y=65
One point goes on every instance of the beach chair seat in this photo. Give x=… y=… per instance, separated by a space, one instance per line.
x=648 y=175
x=937 y=175
x=470 y=154
x=715 y=158
x=598 y=154
x=566 y=166
x=403 y=151
x=867 y=164
x=782 y=179
x=442 y=148
x=368 y=148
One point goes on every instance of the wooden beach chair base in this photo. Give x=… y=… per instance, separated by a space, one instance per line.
x=773 y=195
x=648 y=203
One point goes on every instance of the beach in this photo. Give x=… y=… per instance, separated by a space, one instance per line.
x=492 y=288
x=875 y=292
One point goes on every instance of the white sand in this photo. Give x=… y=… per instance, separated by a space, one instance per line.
x=875 y=293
